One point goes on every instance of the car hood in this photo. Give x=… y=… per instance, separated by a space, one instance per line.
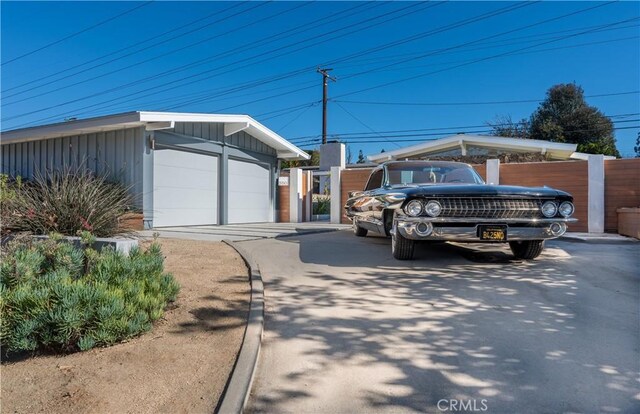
x=477 y=190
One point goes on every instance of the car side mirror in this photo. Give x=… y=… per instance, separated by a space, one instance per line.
x=355 y=193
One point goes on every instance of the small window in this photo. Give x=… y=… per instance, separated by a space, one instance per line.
x=375 y=181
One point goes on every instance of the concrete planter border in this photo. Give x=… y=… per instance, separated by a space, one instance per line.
x=236 y=393
x=122 y=245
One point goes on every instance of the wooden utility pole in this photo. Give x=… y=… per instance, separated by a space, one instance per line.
x=325 y=81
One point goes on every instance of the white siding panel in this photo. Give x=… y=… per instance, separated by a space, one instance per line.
x=185 y=188
x=249 y=193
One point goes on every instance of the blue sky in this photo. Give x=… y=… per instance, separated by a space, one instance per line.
x=455 y=59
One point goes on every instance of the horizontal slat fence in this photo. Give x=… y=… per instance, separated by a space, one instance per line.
x=569 y=176
x=621 y=188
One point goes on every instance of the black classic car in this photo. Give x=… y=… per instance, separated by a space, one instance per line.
x=413 y=201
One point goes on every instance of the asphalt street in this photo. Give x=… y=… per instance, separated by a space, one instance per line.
x=463 y=328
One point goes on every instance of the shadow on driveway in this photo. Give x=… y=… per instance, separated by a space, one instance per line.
x=349 y=329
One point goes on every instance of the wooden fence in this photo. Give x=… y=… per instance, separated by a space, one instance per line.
x=621 y=189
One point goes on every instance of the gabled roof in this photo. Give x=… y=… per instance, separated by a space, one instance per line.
x=157 y=120
x=555 y=150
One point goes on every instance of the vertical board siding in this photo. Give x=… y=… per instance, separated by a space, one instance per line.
x=569 y=176
x=215 y=132
x=118 y=153
x=621 y=188
x=283 y=201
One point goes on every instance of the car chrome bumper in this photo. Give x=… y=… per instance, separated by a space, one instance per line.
x=426 y=228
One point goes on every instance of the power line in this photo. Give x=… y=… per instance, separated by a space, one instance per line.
x=459 y=127
x=285 y=111
x=206 y=94
x=371 y=50
x=77 y=33
x=217 y=68
x=302 y=112
x=448 y=49
x=228 y=92
x=470 y=63
x=371 y=141
x=441 y=130
x=300 y=71
x=199 y=100
x=473 y=103
x=385 y=69
x=224 y=33
x=155 y=37
x=495 y=43
x=363 y=124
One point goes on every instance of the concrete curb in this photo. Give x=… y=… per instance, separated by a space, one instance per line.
x=284 y=236
x=236 y=393
x=597 y=240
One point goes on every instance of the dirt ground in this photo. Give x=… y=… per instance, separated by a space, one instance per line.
x=181 y=366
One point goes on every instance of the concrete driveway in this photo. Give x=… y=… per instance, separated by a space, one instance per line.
x=349 y=329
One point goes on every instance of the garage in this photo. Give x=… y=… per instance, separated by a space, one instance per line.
x=249 y=195
x=185 y=188
x=182 y=169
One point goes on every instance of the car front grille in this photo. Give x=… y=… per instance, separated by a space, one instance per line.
x=490 y=207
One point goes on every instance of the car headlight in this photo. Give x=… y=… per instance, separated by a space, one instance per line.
x=414 y=208
x=549 y=209
x=433 y=208
x=566 y=209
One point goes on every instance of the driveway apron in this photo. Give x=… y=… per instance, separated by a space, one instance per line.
x=460 y=329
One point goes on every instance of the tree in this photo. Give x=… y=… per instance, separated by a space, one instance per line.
x=564 y=116
x=504 y=126
x=361 y=159
x=349 y=155
x=637 y=147
x=314 y=160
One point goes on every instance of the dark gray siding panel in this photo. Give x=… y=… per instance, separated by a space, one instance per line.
x=215 y=132
x=118 y=153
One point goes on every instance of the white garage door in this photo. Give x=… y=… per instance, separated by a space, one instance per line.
x=185 y=188
x=249 y=193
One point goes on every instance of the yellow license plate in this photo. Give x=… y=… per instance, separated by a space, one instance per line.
x=492 y=233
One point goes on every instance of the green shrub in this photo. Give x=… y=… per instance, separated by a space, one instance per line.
x=9 y=197
x=322 y=205
x=60 y=297
x=69 y=200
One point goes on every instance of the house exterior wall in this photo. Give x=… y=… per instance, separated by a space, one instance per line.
x=209 y=138
x=117 y=153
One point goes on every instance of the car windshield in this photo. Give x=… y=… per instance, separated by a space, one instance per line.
x=424 y=173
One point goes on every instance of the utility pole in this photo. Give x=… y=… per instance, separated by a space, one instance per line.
x=325 y=81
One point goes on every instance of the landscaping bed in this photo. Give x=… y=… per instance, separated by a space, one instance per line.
x=181 y=365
